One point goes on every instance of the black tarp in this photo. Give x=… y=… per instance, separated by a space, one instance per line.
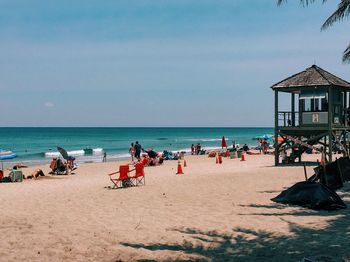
x=344 y=165
x=311 y=195
x=337 y=173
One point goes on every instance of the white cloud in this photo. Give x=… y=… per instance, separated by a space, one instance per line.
x=49 y=104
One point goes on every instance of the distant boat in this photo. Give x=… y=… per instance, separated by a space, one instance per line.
x=7 y=154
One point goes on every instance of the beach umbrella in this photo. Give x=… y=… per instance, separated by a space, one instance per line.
x=223 y=142
x=63 y=152
x=279 y=139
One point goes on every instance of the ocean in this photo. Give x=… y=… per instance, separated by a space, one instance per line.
x=31 y=144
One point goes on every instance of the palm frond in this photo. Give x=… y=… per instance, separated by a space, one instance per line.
x=346 y=55
x=342 y=12
x=302 y=2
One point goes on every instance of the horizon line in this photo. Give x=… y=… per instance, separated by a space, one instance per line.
x=136 y=127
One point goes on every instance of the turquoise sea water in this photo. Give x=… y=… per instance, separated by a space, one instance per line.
x=31 y=143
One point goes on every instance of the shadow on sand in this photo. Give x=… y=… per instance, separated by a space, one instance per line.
x=296 y=164
x=332 y=243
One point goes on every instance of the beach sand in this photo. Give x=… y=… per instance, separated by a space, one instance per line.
x=211 y=213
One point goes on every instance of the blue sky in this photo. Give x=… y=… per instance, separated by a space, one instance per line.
x=156 y=62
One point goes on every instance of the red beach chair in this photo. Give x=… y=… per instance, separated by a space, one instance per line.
x=139 y=177
x=123 y=175
x=145 y=161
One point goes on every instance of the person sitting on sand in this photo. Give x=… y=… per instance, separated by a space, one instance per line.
x=245 y=148
x=153 y=162
x=70 y=163
x=36 y=174
x=58 y=166
x=18 y=166
x=151 y=153
x=53 y=164
x=156 y=161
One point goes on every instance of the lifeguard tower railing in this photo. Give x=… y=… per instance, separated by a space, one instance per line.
x=288 y=118
x=295 y=119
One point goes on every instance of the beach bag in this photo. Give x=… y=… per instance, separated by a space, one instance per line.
x=6 y=179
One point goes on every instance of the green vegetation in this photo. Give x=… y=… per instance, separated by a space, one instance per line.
x=343 y=11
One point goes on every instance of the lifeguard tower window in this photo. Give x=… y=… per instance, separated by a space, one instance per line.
x=315 y=105
x=314 y=102
x=314 y=108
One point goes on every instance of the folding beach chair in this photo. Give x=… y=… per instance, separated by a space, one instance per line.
x=16 y=176
x=145 y=161
x=123 y=176
x=139 y=177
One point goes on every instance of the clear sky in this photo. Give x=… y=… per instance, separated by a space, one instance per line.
x=156 y=62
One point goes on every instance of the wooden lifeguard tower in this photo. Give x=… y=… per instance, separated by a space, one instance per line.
x=321 y=118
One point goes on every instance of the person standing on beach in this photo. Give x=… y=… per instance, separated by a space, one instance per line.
x=138 y=148
x=198 y=148
x=104 y=156
x=192 y=149
x=260 y=145
x=264 y=146
x=132 y=152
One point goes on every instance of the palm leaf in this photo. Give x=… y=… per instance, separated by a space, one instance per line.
x=303 y=2
x=346 y=55
x=342 y=12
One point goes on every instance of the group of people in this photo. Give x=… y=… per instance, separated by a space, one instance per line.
x=60 y=167
x=12 y=178
x=149 y=156
x=196 y=149
x=135 y=151
x=263 y=145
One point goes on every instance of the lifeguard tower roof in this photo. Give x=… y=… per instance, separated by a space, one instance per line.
x=312 y=77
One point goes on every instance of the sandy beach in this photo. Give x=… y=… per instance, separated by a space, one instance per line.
x=211 y=213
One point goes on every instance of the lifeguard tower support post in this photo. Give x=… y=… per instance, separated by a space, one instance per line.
x=322 y=116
